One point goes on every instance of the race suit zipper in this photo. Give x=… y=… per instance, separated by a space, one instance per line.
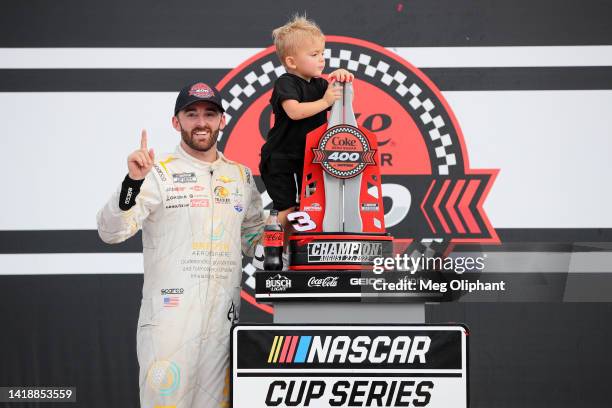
x=212 y=224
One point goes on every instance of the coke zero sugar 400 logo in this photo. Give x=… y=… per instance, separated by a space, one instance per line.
x=344 y=152
x=432 y=197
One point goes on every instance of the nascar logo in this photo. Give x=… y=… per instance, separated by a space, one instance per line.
x=339 y=349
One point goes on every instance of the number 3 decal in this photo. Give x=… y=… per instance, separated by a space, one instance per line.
x=301 y=221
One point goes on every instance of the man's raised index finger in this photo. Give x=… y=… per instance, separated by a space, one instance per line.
x=143 y=140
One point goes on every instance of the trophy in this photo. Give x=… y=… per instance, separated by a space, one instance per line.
x=341 y=222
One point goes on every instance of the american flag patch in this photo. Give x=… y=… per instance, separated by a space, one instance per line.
x=171 y=301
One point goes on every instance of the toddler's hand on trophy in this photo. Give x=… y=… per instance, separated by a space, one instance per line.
x=141 y=161
x=342 y=75
x=332 y=94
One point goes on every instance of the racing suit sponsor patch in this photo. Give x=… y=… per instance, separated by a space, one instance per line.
x=184 y=177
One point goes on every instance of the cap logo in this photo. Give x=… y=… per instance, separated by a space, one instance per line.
x=201 y=90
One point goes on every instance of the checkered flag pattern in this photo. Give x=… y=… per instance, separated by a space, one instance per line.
x=249 y=269
x=266 y=73
x=397 y=81
x=429 y=247
x=423 y=107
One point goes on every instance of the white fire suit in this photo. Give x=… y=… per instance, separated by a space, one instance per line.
x=195 y=217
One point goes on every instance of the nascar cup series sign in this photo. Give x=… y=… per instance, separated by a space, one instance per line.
x=349 y=366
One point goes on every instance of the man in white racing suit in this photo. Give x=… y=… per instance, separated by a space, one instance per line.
x=198 y=211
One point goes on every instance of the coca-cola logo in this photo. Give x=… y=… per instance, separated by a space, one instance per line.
x=273 y=238
x=326 y=282
x=343 y=141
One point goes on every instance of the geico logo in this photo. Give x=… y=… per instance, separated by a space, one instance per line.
x=345 y=248
x=343 y=141
x=365 y=281
x=377 y=350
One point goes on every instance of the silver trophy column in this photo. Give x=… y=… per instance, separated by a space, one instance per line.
x=342 y=215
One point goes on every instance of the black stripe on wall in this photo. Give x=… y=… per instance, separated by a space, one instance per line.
x=104 y=80
x=170 y=80
x=195 y=23
x=87 y=241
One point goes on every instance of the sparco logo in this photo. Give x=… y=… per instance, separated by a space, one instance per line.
x=173 y=291
x=160 y=173
x=327 y=282
x=278 y=283
x=357 y=252
x=128 y=196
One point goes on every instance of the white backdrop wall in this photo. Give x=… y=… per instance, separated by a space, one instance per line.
x=552 y=146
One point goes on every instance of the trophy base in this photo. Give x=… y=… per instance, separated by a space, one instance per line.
x=337 y=250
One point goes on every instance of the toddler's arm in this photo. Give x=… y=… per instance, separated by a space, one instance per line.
x=300 y=110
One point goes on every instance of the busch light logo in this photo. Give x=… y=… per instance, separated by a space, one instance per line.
x=278 y=283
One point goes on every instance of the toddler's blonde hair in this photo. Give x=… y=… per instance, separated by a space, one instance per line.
x=288 y=38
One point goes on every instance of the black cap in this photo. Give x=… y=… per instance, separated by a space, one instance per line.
x=197 y=92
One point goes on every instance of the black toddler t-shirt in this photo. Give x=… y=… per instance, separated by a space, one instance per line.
x=286 y=140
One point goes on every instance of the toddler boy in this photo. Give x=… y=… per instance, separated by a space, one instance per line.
x=300 y=101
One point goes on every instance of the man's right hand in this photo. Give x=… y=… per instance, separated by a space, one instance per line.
x=140 y=162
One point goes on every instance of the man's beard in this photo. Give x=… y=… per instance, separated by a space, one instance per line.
x=204 y=145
